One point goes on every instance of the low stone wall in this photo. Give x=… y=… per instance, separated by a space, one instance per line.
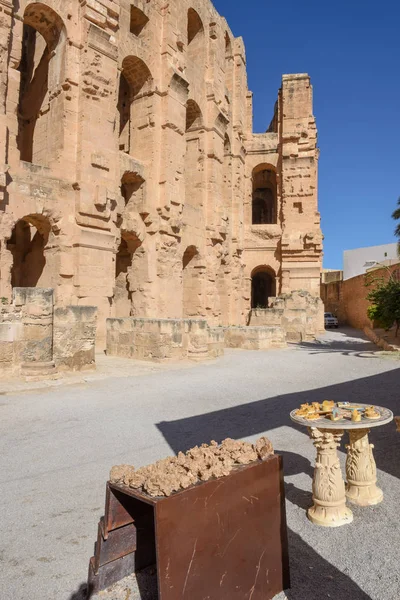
x=216 y=341
x=158 y=339
x=169 y=339
x=255 y=338
x=74 y=337
x=266 y=317
x=35 y=338
x=300 y=314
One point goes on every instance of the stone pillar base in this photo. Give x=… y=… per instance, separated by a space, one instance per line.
x=329 y=516
x=367 y=495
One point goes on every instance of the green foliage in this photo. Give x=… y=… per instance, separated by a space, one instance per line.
x=385 y=299
x=396 y=217
x=4 y=300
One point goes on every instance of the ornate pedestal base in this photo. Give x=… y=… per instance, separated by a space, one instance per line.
x=361 y=485
x=329 y=509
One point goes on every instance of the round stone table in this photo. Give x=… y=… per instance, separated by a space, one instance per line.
x=329 y=491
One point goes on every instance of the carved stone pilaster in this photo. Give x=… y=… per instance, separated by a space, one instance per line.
x=361 y=485
x=329 y=508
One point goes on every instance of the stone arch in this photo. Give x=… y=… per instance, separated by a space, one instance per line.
x=41 y=67
x=227 y=161
x=263 y=286
x=135 y=82
x=192 y=283
x=194 y=117
x=32 y=246
x=228 y=65
x=194 y=167
x=264 y=195
x=228 y=46
x=124 y=278
x=138 y=21
x=132 y=190
x=195 y=25
x=196 y=48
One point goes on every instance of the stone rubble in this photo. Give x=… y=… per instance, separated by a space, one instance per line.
x=198 y=464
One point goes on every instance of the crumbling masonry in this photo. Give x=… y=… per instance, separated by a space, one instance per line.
x=130 y=176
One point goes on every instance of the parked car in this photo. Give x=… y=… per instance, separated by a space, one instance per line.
x=330 y=321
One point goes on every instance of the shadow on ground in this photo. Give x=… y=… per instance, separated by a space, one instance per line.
x=313 y=578
x=261 y=416
x=346 y=345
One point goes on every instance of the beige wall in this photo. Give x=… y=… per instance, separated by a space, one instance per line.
x=348 y=299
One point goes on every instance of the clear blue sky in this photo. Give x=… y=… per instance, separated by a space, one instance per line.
x=351 y=49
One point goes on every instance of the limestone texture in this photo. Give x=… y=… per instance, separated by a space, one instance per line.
x=37 y=339
x=130 y=176
x=201 y=463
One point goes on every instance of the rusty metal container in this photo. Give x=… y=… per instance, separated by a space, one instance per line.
x=224 y=539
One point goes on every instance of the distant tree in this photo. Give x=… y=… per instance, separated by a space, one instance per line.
x=384 y=298
x=396 y=217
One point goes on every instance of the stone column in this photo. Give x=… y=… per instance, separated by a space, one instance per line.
x=35 y=352
x=361 y=485
x=329 y=509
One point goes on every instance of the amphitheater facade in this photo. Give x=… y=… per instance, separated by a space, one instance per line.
x=130 y=176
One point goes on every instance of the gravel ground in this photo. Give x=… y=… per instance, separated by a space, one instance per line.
x=57 y=446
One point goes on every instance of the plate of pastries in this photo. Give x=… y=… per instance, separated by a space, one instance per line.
x=337 y=411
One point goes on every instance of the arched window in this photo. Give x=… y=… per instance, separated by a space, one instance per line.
x=135 y=82
x=264 y=204
x=194 y=117
x=194 y=163
x=132 y=190
x=194 y=25
x=196 y=48
x=228 y=46
x=138 y=20
x=263 y=287
x=42 y=71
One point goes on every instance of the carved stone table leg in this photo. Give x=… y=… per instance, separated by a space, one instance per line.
x=361 y=485
x=329 y=509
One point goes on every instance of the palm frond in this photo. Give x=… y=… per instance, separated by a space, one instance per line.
x=396 y=214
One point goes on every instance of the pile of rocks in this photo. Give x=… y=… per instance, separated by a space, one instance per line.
x=186 y=469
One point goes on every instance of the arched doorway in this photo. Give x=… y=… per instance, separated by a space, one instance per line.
x=263 y=287
x=27 y=244
x=264 y=198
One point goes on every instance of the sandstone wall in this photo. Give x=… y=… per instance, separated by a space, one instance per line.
x=129 y=171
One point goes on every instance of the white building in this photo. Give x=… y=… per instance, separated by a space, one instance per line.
x=359 y=261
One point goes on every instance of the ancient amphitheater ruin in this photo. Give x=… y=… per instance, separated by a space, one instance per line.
x=131 y=181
